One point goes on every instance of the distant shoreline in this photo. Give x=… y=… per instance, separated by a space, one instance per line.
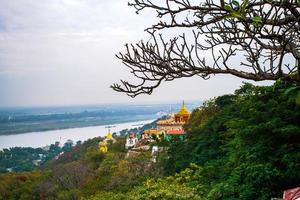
x=44 y=138
x=76 y=126
x=26 y=120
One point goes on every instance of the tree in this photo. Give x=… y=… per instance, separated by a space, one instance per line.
x=246 y=149
x=264 y=36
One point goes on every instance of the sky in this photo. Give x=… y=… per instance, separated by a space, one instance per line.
x=62 y=52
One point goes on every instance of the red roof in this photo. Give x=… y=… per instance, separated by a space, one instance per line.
x=176 y=132
x=292 y=194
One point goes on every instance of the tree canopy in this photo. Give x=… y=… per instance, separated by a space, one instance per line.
x=255 y=40
x=246 y=145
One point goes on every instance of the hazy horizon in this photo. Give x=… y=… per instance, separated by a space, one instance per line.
x=62 y=52
x=135 y=103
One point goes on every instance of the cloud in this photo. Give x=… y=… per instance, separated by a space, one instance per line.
x=38 y=32
x=63 y=52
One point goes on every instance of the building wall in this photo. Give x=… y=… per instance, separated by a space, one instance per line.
x=168 y=127
x=179 y=118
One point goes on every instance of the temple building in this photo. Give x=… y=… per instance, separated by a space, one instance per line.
x=131 y=140
x=175 y=133
x=169 y=123
x=149 y=132
x=109 y=137
x=172 y=126
x=183 y=115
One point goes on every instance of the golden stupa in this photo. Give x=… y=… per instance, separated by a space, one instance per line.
x=103 y=147
x=184 y=111
x=109 y=135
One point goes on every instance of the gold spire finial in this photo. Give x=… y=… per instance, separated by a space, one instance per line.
x=109 y=135
x=183 y=110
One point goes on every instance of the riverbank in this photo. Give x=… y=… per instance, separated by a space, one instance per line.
x=25 y=120
x=43 y=138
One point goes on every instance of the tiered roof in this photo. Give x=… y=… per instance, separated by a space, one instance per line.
x=176 y=132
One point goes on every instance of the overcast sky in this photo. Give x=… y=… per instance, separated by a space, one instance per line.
x=62 y=52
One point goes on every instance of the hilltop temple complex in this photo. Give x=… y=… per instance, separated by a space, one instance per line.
x=169 y=128
x=172 y=126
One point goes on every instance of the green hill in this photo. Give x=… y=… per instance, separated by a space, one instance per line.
x=239 y=147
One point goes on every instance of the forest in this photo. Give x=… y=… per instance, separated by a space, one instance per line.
x=19 y=159
x=241 y=146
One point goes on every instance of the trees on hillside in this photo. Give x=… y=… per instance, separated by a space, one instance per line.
x=255 y=40
x=246 y=149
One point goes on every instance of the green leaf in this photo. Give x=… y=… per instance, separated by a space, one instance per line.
x=236 y=3
x=298 y=99
x=290 y=90
x=236 y=14
x=244 y=5
x=256 y=20
x=228 y=8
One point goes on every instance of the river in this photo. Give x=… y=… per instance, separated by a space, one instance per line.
x=40 y=139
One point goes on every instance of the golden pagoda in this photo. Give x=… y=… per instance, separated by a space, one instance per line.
x=183 y=115
x=174 y=122
x=103 y=146
x=109 y=135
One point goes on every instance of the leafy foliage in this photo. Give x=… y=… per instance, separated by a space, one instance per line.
x=19 y=185
x=19 y=159
x=80 y=172
x=248 y=148
x=178 y=187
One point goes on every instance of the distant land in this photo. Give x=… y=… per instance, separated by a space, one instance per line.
x=24 y=120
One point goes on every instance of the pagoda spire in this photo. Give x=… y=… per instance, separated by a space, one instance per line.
x=109 y=135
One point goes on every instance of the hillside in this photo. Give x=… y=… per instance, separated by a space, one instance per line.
x=83 y=171
x=241 y=146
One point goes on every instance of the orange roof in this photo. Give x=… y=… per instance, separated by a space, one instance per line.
x=176 y=132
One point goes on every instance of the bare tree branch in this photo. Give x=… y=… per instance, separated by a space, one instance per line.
x=263 y=35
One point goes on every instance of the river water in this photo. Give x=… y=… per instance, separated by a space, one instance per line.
x=40 y=139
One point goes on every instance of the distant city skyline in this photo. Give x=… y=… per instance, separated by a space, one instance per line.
x=62 y=52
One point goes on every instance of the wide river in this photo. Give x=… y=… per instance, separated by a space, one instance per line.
x=40 y=139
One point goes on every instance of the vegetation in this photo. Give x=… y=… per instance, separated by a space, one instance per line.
x=179 y=187
x=19 y=159
x=243 y=146
x=79 y=172
x=247 y=145
x=20 y=185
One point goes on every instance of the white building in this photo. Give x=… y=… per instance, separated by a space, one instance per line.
x=131 y=140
